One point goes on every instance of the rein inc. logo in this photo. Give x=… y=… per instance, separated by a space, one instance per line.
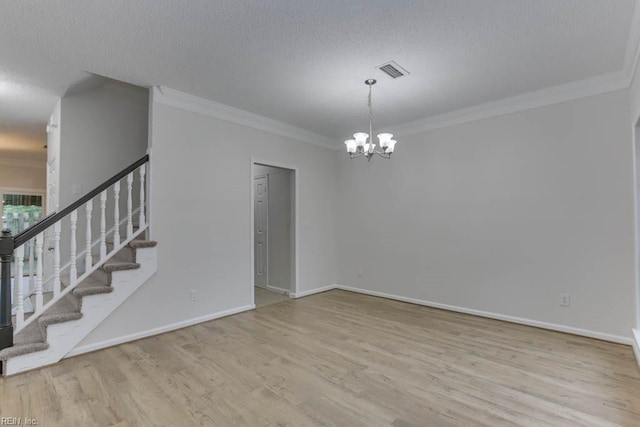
x=18 y=421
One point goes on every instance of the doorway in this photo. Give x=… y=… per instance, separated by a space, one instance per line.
x=273 y=233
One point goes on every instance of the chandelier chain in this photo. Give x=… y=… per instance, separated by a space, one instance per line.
x=369 y=104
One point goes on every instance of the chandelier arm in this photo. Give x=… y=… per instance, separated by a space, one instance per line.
x=383 y=155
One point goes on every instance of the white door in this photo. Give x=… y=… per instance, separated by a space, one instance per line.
x=260 y=230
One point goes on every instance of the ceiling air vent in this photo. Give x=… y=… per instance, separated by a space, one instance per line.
x=392 y=69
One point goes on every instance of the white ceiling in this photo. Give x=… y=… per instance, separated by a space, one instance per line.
x=303 y=62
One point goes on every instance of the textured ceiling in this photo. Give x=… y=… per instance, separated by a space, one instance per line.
x=303 y=62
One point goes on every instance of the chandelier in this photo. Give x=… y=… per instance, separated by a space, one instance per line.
x=360 y=147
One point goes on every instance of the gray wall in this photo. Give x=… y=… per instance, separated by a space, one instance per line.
x=103 y=130
x=201 y=216
x=634 y=102
x=281 y=216
x=501 y=215
x=496 y=216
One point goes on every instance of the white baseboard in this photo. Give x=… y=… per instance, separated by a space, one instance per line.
x=313 y=291
x=529 y=322
x=278 y=290
x=636 y=344
x=156 y=331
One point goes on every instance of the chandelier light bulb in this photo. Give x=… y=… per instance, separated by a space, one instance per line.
x=361 y=138
x=351 y=145
x=384 y=139
x=390 y=147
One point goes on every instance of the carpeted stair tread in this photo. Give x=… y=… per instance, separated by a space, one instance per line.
x=138 y=238
x=136 y=244
x=118 y=266
x=51 y=319
x=21 y=349
x=84 y=291
x=62 y=311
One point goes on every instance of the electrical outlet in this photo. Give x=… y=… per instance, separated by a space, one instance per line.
x=565 y=300
x=360 y=272
x=192 y=295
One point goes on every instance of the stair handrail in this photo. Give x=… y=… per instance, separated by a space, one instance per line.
x=9 y=243
x=31 y=232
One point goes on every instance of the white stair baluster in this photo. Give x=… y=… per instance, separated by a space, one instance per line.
x=129 y=207
x=73 y=269
x=56 y=258
x=18 y=292
x=39 y=247
x=88 y=262
x=103 y=225
x=116 y=215
x=142 y=218
x=32 y=274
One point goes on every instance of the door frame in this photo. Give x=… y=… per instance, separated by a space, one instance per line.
x=295 y=276
x=635 y=132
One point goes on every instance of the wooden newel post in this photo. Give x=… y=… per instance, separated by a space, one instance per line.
x=6 y=326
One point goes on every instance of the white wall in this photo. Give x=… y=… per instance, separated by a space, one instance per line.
x=201 y=217
x=280 y=214
x=634 y=102
x=501 y=215
x=498 y=215
x=103 y=130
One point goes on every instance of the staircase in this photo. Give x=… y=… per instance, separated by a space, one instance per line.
x=78 y=301
x=66 y=323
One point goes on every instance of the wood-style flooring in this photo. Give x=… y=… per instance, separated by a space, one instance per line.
x=338 y=359
x=264 y=297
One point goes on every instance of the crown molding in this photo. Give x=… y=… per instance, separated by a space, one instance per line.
x=554 y=95
x=206 y=107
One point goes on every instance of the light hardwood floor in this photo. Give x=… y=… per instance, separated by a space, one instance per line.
x=264 y=297
x=339 y=359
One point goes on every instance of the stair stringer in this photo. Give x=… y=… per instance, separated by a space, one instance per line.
x=64 y=337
